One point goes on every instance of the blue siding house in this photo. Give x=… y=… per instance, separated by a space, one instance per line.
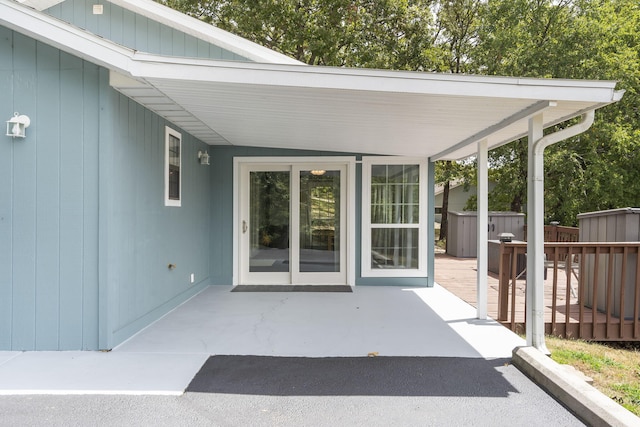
x=164 y=155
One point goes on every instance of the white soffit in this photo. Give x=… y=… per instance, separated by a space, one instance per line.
x=40 y=4
x=440 y=116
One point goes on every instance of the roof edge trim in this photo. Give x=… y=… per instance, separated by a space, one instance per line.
x=59 y=34
x=160 y=67
x=203 y=31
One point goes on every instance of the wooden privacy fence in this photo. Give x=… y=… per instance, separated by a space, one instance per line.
x=592 y=290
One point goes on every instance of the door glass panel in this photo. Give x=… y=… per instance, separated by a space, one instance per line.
x=320 y=221
x=269 y=206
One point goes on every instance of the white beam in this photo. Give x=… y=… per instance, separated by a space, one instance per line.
x=536 y=108
x=483 y=225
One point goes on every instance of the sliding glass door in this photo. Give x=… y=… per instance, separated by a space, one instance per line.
x=293 y=224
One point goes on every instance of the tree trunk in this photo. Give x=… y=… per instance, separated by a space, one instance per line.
x=516 y=203
x=444 y=221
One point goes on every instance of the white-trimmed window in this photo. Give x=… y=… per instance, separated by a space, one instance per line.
x=172 y=167
x=394 y=217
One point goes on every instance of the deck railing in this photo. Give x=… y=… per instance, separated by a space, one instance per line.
x=592 y=290
x=558 y=233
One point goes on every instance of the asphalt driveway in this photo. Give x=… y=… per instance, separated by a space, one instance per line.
x=274 y=391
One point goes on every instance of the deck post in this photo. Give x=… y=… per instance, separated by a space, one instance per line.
x=483 y=225
x=535 y=239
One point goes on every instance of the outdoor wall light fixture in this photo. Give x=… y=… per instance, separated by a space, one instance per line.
x=204 y=157
x=17 y=125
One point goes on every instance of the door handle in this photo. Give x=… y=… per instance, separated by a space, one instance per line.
x=244 y=226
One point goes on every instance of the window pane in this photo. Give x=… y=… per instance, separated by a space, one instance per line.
x=319 y=221
x=269 y=221
x=395 y=194
x=174 y=168
x=394 y=248
x=395 y=173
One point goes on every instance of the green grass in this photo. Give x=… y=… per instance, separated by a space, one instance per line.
x=595 y=362
x=615 y=369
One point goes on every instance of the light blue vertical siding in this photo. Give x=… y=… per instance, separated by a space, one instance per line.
x=48 y=205
x=143 y=236
x=71 y=184
x=6 y=192
x=85 y=236
x=88 y=320
x=48 y=194
x=24 y=197
x=137 y=32
x=107 y=133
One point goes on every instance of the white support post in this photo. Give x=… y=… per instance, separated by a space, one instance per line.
x=535 y=239
x=483 y=226
x=535 y=221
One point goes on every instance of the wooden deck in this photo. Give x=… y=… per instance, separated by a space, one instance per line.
x=459 y=276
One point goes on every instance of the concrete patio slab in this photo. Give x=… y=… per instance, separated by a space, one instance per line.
x=164 y=357
x=90 y=372
x=390 y=321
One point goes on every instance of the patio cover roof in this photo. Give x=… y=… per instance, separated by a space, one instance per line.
x=289 y=105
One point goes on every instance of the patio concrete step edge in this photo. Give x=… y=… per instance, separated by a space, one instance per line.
x=587 y=403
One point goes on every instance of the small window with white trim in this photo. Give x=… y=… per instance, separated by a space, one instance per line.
x=394 y=217
x=172 y=167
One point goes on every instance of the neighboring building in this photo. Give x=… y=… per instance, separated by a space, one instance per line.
x=110 y=215
x=458 y=196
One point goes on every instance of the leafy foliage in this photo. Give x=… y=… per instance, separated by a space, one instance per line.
x=359 y=33
x=569 y=39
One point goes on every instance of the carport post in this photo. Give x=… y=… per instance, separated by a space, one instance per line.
x=431 y=219
x=535 y=221
x=483 y=225
x=535 y=239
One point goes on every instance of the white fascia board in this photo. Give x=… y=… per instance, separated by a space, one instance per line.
x=203 y=31
x=65 y=37
x=355 y=79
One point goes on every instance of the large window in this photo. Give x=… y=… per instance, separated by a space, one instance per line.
x=393 y=216
x=172 y=167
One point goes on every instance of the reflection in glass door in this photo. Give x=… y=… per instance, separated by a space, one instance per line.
x=293 y=222
x=269 y=205
x=319 y=227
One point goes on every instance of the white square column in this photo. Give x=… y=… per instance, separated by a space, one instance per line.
x=483 y=226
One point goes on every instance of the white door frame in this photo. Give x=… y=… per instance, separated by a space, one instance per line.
x=349 y=207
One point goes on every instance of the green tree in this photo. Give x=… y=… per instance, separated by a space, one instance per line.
x=394 y=34
x=569 y=39
x=457 y=26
